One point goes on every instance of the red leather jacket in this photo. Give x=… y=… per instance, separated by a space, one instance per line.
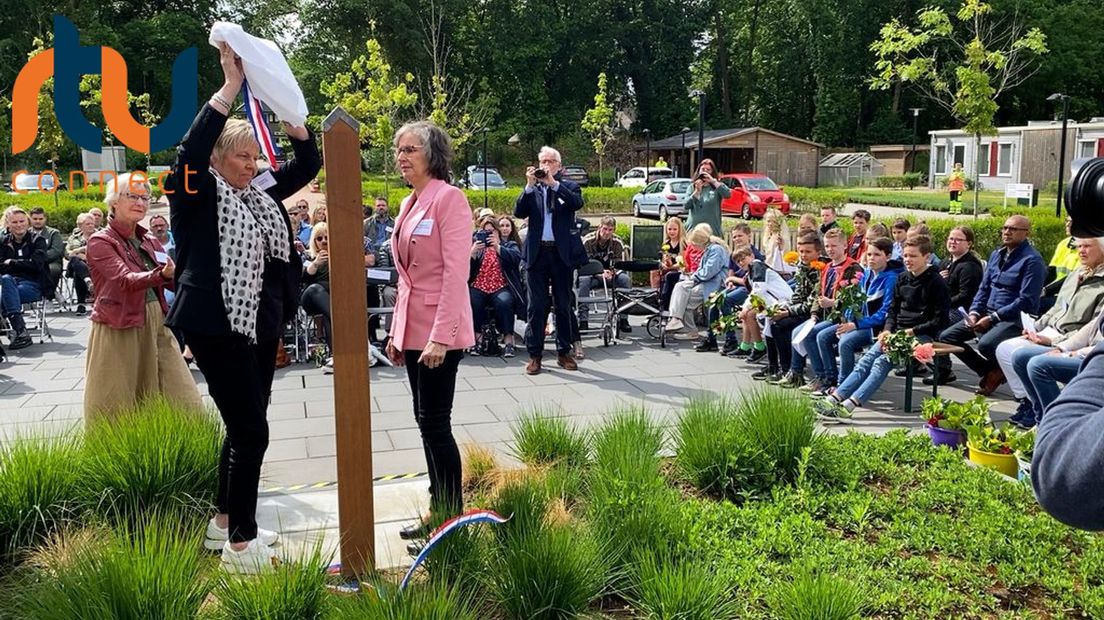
x=121 y=278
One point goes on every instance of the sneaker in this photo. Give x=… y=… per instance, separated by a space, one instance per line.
x=509 y=351
x=217 y=536
x=812 y=385
x=1027 y=423
x=20 y=340
x=1025 y=410
x=766 y=374
x=829 y=409
x=756 y=356
x=706 y=345
x=255 y=559
x=943 y=380
x=474 y=351
x=789 y=380
x=327 y=367
x=623 y=326
x=732 y=349
x=823 y=390
x=675 y=325
x=81 y=310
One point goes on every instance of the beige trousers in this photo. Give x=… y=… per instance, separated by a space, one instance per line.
x=125 y=366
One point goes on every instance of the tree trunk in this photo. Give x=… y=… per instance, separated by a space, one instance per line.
x=749 y=64
x=977 y=170
x=722 y=67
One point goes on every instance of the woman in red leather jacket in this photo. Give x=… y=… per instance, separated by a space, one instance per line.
x=131 y=354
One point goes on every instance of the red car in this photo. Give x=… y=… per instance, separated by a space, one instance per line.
x=752 y=195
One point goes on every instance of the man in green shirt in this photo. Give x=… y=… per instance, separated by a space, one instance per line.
x=704 y=205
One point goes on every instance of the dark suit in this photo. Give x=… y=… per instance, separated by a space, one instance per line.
x=238 y=372
x=550 y=264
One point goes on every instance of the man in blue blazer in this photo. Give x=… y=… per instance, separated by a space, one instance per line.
x=551 y=253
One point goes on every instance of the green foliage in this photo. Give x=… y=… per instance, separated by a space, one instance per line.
x=549 y=574
x=524 y=499
x=598 y=122
x=296 y=589
x=541 y=438
x=909 y=180
x=954 y=416
x=151 y=571
x=782 y=424
x=38 y=486
x=668 y=589
x=1003 y=440
x=819 y=597
x=124 y=473
x=627 y=434
x=417 y=602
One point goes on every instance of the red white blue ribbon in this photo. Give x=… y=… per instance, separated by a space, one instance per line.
x=254 y=113
x=446 y=528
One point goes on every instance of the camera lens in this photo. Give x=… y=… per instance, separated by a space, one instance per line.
x=1085 y=197
x=540 y=173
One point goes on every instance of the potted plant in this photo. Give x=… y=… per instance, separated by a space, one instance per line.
x=1025 y=449
x=947 y=421
x=994 y=447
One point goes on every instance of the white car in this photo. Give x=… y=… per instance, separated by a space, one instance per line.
x=635 y=176
x=666 y=198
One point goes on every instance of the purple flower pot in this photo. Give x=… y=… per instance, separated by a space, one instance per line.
x=943 y=437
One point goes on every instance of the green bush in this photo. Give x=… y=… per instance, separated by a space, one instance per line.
x=151 y=571
x=524 y=500
x=156 y=455
x=909 y=180
x=627 y=432
x=549 y=574
x=542 y=439
x=669 y=589
x=38 y=488
x=296 y=589
x=712 y=453
x=782 y=423
x=818 y=597
x=417 y=602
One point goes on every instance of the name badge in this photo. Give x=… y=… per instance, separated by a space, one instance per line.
x=162 y=258
x=389 y=229
x=424 y=228
x=264 y=180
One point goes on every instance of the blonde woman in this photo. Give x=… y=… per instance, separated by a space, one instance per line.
x=776 y=241
x=316 y=275
x=318 y=215
x=672 y=247
x=695 y=288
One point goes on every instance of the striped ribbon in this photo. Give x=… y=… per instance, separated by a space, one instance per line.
x=254 y=113
x=446 y=528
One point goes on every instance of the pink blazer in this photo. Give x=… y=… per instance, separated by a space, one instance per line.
x=431 y=244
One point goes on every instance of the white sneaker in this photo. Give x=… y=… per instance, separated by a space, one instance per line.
x=255 y=559
x=217 y=536
x=327 y=368
x=674 y=325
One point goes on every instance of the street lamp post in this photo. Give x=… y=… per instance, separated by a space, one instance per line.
x=915 y=119
x=1062 y=152
x=484 y=132
x=647 y=153
x=683 y=152
x=701 y=122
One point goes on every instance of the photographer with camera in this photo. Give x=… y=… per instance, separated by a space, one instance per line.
x=704 y=205
x=1067 y=468
x=495 y=280
x=551 y=253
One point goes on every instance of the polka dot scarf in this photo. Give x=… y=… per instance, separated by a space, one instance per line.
x=251 y=230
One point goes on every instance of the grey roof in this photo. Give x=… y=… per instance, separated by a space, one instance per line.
x=843 y=160
x=717 y=135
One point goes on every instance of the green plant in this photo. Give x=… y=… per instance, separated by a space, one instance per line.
x=713 y=453
x=549 y=574
x=150 y=570
x=627 y=431
x=667 y=589
x=155 y=455
x=954 y=416
x=1025 y=444
x=479 y=463
x=296 y=589
x=542 y=439
x=524 y=499
x=782 y=425
x=38 y=489
x=417 y=602
x=818 y=597
x=989 y=438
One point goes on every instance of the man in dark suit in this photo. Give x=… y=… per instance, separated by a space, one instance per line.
x=551 y=253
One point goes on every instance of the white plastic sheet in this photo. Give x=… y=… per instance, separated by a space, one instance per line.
x=267 y=71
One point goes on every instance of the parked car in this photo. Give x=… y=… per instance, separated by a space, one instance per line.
x=32 y=183
x=485 y=176
x=578 y=174
x=752 y=195
x=666 y=198
x=635 y=176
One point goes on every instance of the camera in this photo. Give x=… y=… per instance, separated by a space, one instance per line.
x=483 y=236
x=701 y=176
x=1085 y=197
x=540 y=173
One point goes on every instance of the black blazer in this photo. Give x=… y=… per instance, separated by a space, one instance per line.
x=193 y=212
x=566 y=200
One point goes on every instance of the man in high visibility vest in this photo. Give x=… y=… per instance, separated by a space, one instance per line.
x=956 y=184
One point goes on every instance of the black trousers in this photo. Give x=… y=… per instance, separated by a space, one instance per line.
x=316 y=301
x=780 y=343
x=78 y=270
x=984 y=358
x=549 y=269
x=666 y=285
x=373 y=294
x=433 y=391
x=239 y=379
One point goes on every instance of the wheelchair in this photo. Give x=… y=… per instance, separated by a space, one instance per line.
x=641 y=301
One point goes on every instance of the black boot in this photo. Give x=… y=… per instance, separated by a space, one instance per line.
x=20 y=339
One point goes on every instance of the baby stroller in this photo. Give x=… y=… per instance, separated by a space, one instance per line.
x=640 y=302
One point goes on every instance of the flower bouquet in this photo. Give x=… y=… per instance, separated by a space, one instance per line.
x=760 y=306
x=901 y=347
x=849 y=298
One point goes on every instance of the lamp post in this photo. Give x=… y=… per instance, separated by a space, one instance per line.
x=484 y=131
x=1062 y=152
x=915 y=119
x=683 y=152
x=647 y=153
x=701 y=122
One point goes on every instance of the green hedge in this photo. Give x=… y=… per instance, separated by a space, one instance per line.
x=63 y=216
x=595 y=199
x=909 y=180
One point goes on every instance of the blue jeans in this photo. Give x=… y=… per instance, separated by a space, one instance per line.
x=797 y=365
x=850 y=345
x=824 y=364
x=1044 y=373
x=14 y=292
x=867 y=377
x=734 y=298
x=503 y=303
x=1020 y=359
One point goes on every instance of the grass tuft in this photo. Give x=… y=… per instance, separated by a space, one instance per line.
x=818 y=597
x=479 y=465
x=543 y=439
x=670 y=589
x=297 y=589
x=38 y=489
x=417 y=602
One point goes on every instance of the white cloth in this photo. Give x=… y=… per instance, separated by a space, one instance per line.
x=1004 y=359
x=800 y=334
x=686 y=296
x=267 y=71
x=773 y=289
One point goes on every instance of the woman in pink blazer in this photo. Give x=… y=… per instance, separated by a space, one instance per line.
x=432 y=324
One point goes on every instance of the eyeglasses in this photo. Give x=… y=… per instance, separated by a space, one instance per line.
x=407 y=150
x=138 y=197
x=956 y=240
x=321 y=238
x=1013 y=229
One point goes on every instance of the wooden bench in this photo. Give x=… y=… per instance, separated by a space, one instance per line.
x=939 y=349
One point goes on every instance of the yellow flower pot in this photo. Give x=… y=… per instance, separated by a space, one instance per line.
x=1003 y=463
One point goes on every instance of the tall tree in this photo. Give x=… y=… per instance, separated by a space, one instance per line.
x=598 y=121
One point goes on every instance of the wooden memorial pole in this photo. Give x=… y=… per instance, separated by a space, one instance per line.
x=349 y=314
